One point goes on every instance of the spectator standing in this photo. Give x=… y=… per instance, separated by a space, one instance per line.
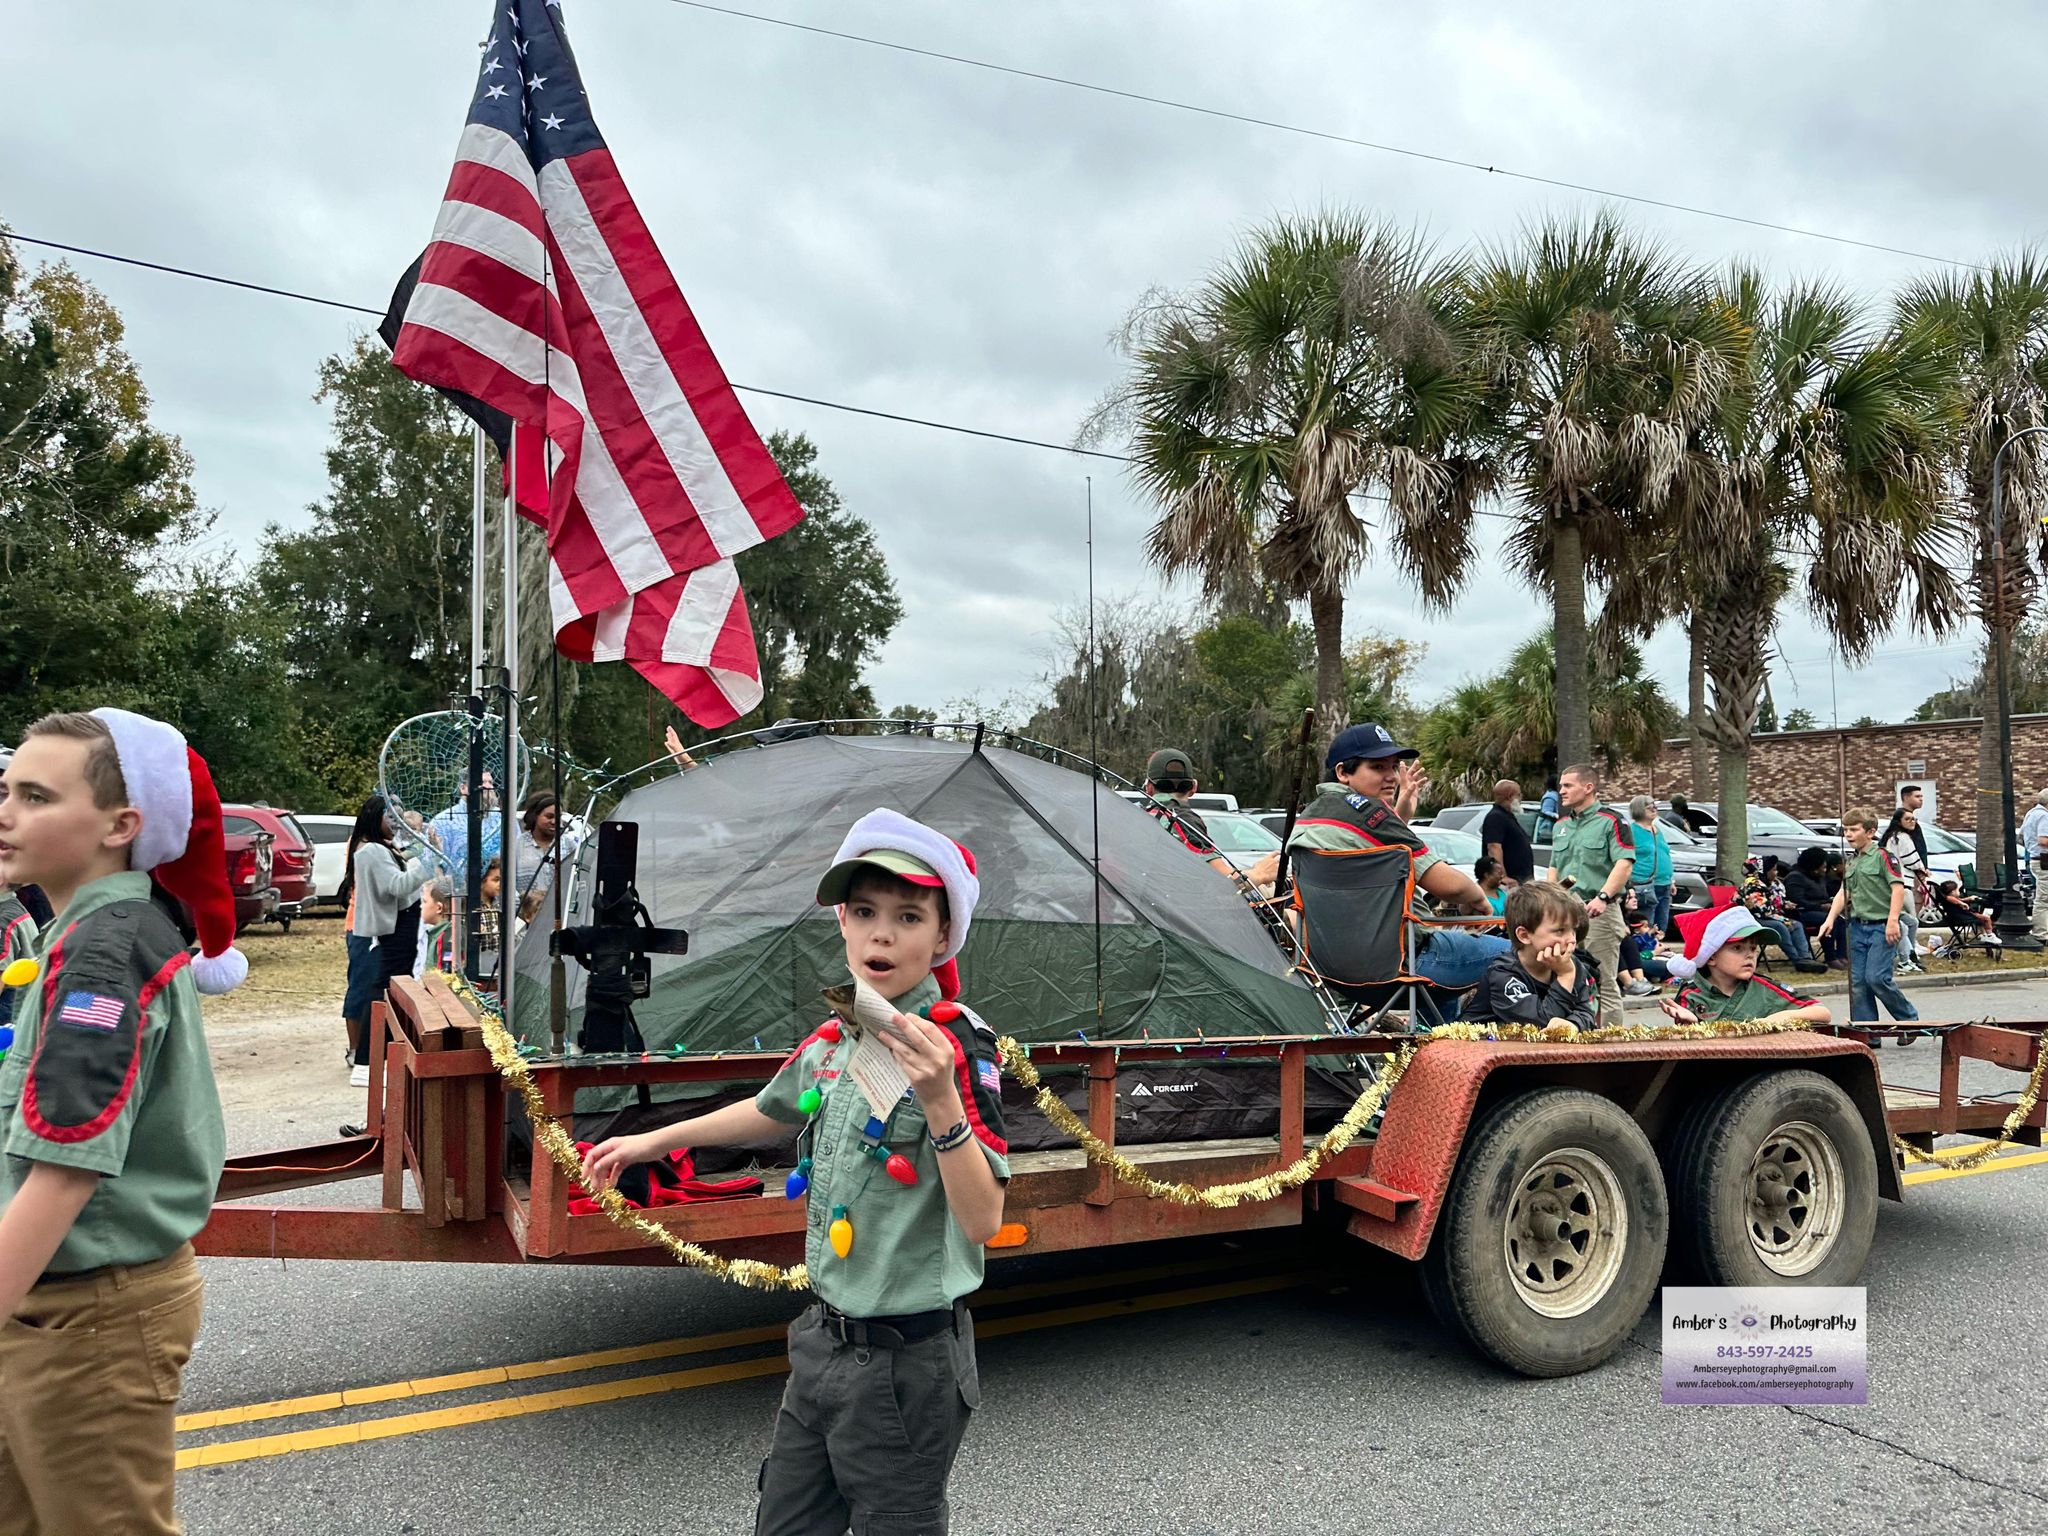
x=380 y=885
x=449 y=831
x=1593 y=851
x=1502 y=835
x=1907 y=844
x=533 y=852
x=2034 y=850
x=1652 y=876
x=1547 y=809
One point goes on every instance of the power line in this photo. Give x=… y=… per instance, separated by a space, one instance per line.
x=1316 y=133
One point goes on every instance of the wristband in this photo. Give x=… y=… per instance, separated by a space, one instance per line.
x=946 y=1141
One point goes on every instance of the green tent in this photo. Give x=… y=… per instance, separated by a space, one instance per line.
x=731 y=852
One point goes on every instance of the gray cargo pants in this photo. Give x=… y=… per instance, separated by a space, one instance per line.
x=866 y=1435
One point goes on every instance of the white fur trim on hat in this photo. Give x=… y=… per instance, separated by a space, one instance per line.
x=887 y=829
x=1727 y=922
x=215 y=974
x=152 y=756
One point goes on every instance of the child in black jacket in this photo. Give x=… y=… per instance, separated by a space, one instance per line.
x=1543 y=979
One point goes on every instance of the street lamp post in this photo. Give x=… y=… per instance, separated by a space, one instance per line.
x=2014 y=924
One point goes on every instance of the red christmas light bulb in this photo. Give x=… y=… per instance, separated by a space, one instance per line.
x=898 y=1168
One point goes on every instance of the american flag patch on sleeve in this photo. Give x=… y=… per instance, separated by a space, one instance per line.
x=991 y=1076
x=91 y=1010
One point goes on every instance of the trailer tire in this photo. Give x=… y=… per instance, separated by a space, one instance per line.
x=1778 y=1188
x=1553 y=1232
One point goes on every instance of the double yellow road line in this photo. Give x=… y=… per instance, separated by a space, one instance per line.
x=519 y=1405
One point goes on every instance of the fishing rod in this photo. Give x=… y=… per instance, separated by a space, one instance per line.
x=1294 y=794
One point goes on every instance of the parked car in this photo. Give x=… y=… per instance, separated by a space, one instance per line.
x=1239 y=838
x=1770 y=831
x=248 y=860
x=329 y=835
x=1691 y=861
x=1448 y=843
x=291 y=855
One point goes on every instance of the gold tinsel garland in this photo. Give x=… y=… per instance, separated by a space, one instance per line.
x=561 y=1146
x=757 y=1275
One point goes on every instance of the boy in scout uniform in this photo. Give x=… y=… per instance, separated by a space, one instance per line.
x=109 y=1120
x=882 y=1371
x=1873 y=892
x=1593 y=850
x=1717 y=972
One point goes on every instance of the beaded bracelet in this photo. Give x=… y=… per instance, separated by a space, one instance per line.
x=946 y=1141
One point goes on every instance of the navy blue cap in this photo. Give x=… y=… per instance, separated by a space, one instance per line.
x=1368 y=741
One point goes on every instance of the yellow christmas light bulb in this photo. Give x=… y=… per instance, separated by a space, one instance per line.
x=19 y=973
x=841 y=1232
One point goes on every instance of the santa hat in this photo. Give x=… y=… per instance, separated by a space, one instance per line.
x=910 y=850
x=1707 y=930
x=180 y=845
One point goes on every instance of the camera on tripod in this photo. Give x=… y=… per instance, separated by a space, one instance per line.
x=614 y=946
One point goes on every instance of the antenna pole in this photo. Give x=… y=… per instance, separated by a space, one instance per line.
x=1094 y=762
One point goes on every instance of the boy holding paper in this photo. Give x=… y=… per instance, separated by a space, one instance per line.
x=905 y=1186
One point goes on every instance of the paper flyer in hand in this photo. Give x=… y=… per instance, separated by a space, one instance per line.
x=873 y=1070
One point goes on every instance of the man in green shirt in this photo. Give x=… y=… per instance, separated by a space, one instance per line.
x=1873 y=892
x=902 y=1196
x=1593 y=851
x=109 y=1120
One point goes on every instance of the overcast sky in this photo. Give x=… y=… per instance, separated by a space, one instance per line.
x=917 y=236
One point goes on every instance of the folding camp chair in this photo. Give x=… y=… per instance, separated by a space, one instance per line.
x=1360 y=933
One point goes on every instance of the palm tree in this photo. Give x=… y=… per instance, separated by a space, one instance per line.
x=1505 y=725
x=1605 y=355
x=1324 y=358
x=1995 y=322
x=1829 y=443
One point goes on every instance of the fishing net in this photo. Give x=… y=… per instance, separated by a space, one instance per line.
x=423 y=774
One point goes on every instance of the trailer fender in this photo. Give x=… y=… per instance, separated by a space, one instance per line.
x=1433 y=1106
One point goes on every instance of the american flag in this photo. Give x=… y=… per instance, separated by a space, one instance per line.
x=654 y=478
x=92 y=1010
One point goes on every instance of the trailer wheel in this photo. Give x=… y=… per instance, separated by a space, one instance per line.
x=1552 y=1234
x=1778 y=1188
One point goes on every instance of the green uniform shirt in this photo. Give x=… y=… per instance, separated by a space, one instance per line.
x=1756 y=998
x=1868 y=879
x=1339 y=818
x=1584 y=847
x=908 y=1253
x=110 y=1073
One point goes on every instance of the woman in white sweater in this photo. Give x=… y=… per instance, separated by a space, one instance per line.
x=380 y=884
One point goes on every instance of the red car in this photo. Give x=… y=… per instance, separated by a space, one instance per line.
x=289 y=860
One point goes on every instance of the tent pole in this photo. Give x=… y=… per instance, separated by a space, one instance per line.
x=1094 y=762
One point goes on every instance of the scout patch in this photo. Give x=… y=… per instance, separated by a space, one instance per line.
x=991 y=1076
x=91 y=1010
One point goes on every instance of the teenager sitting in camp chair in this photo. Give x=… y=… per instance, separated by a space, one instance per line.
x=1371 y=787
x=1967 y=927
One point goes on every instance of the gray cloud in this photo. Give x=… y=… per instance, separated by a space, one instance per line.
x=916 y=236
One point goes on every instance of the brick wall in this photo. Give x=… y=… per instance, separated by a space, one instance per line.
x=1822 y=773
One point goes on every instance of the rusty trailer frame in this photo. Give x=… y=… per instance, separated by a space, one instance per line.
x=438 y=1113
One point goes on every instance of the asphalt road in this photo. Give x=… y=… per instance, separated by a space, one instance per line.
x=1264 y=1385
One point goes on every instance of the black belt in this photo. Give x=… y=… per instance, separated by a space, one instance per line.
x=887 y=1332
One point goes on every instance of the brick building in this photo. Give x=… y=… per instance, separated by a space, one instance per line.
x=1822 y=773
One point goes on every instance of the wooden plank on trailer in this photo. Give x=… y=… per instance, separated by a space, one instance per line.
x=433 y=1163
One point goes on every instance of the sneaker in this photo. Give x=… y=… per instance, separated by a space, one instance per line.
x=1641 y=989
x=359 y=1075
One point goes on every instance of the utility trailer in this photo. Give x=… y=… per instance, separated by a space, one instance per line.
x=1544 y=1188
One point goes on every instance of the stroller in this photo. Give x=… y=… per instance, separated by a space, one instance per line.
x=1945 y=907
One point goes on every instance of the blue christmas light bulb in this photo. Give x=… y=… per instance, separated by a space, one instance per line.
x=799 y=1179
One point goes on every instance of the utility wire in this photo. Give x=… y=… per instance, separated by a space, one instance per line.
x=752 y=389
x=1317 y=133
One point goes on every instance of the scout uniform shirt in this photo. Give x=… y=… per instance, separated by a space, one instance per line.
x=1183 y=823
x=1756 y=998
x=1340 y=818
x=109 y=1073
x=908 y=1253
x=1868 y=879
x=1586 y=845
x=17 y=942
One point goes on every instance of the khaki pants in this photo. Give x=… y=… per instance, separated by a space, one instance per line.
x=1605 y=935
x=89 y=1374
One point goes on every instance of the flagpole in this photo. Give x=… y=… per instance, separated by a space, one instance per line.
x=508 y=848
x=473 y=820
